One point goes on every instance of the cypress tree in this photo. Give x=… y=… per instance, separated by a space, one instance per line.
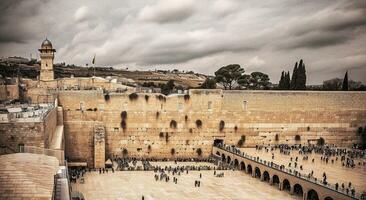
x=282 y=81
x=345 y=82
x=301 y=76
x=287 y=81
x=294 y=78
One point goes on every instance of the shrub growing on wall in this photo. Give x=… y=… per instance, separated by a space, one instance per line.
x=359 y=130
x=161 y=97
x=133 y=96
x=276 y=137
x=186 y=97
x=124 y=115
x=173 y=124
x=106 y=97
x=123 y=124
x=199 y=152
x=297 y=138
x=124 y=152
x=321 y=141
x=198 y=123
x=147 y=97
x=241 y=141
x=221 y=125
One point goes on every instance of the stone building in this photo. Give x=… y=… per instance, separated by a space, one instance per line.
x=47 y=55
x=101 y=118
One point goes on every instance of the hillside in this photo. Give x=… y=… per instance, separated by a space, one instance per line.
x=189 y=80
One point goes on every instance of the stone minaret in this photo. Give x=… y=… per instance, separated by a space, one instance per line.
x=47 y=54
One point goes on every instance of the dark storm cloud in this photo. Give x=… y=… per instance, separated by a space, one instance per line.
x=17 y=20
x=266 y=36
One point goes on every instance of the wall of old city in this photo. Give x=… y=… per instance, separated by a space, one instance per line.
x=9 y=92
x=29 y=133
x=258 y=115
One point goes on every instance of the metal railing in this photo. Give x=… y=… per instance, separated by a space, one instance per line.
x=295 y=173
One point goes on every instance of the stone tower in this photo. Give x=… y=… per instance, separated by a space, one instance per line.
x=47 y=54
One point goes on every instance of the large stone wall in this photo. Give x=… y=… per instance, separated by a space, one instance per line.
x=258 y=115
x=13 y=134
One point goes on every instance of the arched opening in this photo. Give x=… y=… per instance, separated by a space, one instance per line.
x=298 y=190
x=328 y=198
x=228 y=159
x=257 y=173
x=286 y=185
x=236 y=163
x=250 y=170
x=223 y=158
x=242 y=166
x=266 y=176
x=275 y=180
x=217 y=153
x=312 y=195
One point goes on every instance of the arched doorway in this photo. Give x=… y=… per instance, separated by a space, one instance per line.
x=257 y=173
x=328 y=198
x=266 y=176
x=228 y=159
x=242 y=166
x=275 y=180
x=312 y=195
x=298 y=190
x=236 y=163
x=286 y=185
x=250 y=170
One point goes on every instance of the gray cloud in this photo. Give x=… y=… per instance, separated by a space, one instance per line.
x=267 y=36
x=165 y=11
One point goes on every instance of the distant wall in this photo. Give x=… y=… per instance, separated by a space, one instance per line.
x=28 y=133
x=258 y=115
x=9 y=92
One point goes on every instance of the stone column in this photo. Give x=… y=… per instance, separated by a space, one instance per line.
x=99 y=146
x=270 y=181
x=280 y=186
x=292 y=190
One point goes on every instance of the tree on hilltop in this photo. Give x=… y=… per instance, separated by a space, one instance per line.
x=229 y=75
x=210 y=83
x=345 y=82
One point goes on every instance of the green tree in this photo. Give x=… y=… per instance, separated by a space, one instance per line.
x=287 y=84
x=259 y=81
x=168 y=87
x=281 y=83
x=210 y=83
x=229 y=75
x=294 y=78
x=332 y=84
x=301 y=76
x=345 y=82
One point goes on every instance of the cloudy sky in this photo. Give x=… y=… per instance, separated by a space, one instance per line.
x=267 y=36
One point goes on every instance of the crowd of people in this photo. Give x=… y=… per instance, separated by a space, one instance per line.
x=349 y=157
